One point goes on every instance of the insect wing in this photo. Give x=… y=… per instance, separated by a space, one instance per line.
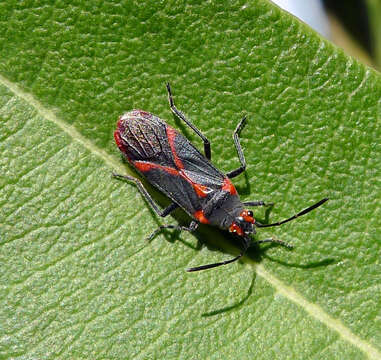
x=168 y=160
x=194 y=165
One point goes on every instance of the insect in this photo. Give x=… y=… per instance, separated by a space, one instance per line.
x=171 y=163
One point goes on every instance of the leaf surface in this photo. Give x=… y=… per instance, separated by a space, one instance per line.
x=78 y=278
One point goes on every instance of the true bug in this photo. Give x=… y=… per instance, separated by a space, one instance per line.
x=173 y=165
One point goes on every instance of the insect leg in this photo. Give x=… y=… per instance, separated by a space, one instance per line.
x=181 y=116
x=169 y=209
x=275 y=241
x=192 y=227
x=147 y=196
x=210 y=266
x=238 y=147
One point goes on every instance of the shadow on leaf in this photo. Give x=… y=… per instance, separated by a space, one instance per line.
x=310 y=265
x=236 y=305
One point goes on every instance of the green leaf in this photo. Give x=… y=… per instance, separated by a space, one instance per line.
x=374 y=13
x=79 y=280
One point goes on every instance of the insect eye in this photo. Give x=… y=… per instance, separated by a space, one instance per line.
x=247 y=215
x=234 y=228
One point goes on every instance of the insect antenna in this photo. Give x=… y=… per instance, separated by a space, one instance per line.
x=209 y=266
x=305 y=211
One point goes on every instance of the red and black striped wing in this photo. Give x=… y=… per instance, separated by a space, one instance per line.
x=169 y=161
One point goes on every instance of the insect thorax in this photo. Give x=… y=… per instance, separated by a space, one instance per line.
x=226 y=208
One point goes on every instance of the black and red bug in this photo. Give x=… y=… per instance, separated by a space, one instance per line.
x=173 y=165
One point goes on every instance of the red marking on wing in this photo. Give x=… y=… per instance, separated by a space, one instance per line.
x=143 y=166
x=171 y=134
x=229 y=187
x=200 y=216
x=118 y=140
x=146 y=166
x=201 y=190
